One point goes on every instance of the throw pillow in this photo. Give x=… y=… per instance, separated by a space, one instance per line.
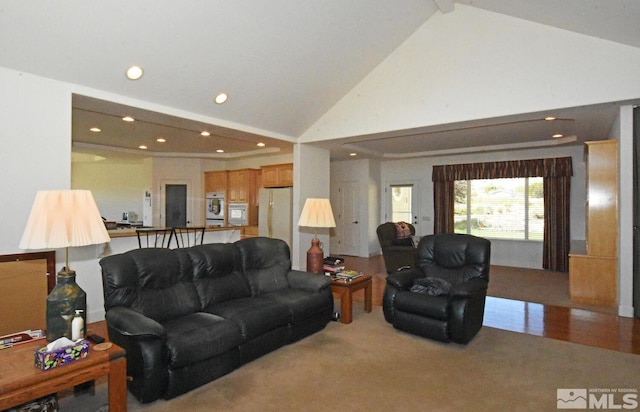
x=431 y=286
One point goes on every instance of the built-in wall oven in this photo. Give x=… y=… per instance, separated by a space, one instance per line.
x=238 y=214
x=215 y=208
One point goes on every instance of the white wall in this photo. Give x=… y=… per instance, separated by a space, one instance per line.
x=310 y=179
x=117 y=185
x=35 y=133
x=474 y=64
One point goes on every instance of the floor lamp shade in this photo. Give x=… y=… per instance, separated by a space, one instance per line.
x=63 y=219
x=316 y=213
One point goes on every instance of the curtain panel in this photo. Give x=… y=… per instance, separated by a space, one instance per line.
x=556 y=173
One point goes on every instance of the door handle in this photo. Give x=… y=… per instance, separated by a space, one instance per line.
x=356 y=222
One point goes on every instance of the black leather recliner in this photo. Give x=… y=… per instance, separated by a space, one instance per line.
x=397 y=253
x=444 y=297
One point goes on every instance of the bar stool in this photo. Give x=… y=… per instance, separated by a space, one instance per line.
x=187 y=236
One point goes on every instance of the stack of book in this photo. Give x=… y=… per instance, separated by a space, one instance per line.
x=348 y=275
x=333 y=265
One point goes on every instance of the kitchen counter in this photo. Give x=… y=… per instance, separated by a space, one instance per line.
x=131 y=231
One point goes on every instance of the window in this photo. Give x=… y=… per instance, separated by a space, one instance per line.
x=500 y=208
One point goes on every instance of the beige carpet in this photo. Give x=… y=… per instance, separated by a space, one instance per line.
x=369 y=366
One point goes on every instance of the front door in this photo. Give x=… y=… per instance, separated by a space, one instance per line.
x=402 y=204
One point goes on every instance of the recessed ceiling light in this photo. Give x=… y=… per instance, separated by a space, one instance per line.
x=143 y=147
x=557 y=135
x=95 y=129
x=261 y=144
x=221 y=98
x=205 y=133
x=134 y=72
x=219 y=151
x=353 y=154
x=128 y=119
x=549 y=118
x=161 y=140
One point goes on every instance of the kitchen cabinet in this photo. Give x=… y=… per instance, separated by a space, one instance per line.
x=280 y=175
x=215 y=181
x=593 y=274
x=242 y=186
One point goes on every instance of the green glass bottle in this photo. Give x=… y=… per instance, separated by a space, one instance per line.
x=62 y=303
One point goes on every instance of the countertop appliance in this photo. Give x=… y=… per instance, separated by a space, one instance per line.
x=238 y=214
x=276 y=213
x=215 y=208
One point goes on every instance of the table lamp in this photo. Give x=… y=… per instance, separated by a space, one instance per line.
x=63 y=219
x=316 y=213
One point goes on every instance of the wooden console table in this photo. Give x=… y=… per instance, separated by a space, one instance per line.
x=345 y=290
x=21 y=381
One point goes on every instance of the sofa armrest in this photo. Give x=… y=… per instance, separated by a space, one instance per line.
x=130 y=323
x=312 y=282
x=404 y=279
x=144 y=341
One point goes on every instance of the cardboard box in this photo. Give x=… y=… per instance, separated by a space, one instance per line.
x=45 y=360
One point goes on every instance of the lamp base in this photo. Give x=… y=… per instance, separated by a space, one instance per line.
x=315 y=257
x=65 y=298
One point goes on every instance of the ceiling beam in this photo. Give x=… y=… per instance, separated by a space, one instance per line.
x=445 y=6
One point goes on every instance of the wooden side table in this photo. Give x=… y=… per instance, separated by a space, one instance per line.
x=345 y=289
x=21 y=381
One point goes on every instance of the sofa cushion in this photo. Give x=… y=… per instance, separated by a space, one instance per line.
x=215 y=273
x=302 y=304
x=198 y=336
x=152 y=281
x=255 y=316
x=265 y=262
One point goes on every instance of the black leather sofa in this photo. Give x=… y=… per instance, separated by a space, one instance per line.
x=444 y=297
x=188 y=316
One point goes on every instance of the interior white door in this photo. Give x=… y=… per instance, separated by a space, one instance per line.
x=348 y=223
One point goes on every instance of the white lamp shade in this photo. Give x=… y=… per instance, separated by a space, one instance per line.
x=317 y=213
x=63 y=218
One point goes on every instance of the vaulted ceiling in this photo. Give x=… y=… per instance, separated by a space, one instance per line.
x=283 y=63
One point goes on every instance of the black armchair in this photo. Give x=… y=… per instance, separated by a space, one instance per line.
x=442 y=298
x=397 y=253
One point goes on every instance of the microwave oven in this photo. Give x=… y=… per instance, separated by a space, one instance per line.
x=237 y=214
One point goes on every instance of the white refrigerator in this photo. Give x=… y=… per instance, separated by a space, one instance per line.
x=275 y=213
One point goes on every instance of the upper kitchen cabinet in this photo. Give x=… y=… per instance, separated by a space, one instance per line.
x=215 y=181
x=277 y=175
x=242 y=186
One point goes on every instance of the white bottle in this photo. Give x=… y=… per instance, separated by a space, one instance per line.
x=77 y=326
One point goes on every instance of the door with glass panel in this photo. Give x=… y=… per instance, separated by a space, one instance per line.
x=402 y=204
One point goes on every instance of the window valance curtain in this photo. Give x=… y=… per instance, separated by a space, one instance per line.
x=554 y=167
x=556 y=174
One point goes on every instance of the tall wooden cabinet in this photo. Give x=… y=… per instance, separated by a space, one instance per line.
x=593 y=273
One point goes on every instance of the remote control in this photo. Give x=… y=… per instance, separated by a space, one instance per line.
x=95 y=338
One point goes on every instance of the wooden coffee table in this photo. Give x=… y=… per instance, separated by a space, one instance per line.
x=344 y=289
x=21 y=381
